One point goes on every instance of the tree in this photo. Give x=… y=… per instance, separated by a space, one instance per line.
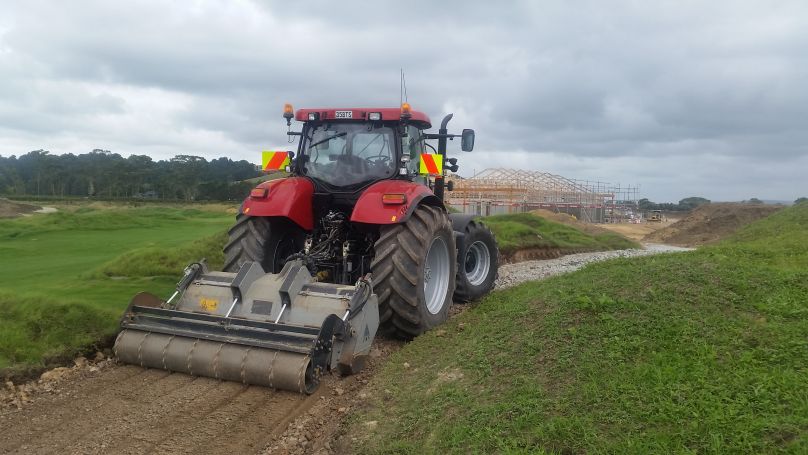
x=691 y=203
x=801 y=200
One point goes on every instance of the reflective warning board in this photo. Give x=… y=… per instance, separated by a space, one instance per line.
x=274 y=160
x=431 y=164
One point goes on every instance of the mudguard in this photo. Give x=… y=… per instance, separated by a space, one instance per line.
x=371 y=210
x=289 y=197
x=460 y=221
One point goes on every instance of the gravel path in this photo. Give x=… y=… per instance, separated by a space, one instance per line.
x=513 y=274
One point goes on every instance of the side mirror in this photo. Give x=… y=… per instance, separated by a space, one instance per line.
x=467 y=140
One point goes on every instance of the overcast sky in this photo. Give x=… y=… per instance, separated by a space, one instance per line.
x=682 y=98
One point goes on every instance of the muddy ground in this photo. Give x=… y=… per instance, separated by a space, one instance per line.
x=11 y=209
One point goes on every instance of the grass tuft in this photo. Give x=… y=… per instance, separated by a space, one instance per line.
x=168 y=262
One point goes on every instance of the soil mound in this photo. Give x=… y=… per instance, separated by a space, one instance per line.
x=569 y=220
x=710 y=223
x=11 y=209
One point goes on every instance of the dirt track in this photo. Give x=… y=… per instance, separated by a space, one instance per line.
x=130 y=410
x=126 y=409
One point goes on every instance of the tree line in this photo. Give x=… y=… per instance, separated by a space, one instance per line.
x=684 y=205
x=103 y=174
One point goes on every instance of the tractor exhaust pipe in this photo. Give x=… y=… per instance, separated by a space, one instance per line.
x=443 y=132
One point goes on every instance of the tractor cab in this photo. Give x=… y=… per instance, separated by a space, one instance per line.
x=345 y=150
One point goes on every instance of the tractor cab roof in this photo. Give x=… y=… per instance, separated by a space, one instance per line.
x=362 y=114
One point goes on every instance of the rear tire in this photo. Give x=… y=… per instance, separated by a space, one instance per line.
x=267 y=241
x=477 y=263
x=414 y=270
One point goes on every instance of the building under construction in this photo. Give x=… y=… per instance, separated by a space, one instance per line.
x=495 y=191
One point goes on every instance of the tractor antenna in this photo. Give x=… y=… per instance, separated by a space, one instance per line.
x=403 y=95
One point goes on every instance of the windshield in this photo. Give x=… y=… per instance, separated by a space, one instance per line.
x=345 y=154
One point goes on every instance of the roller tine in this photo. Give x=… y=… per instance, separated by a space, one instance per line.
x=280 y=314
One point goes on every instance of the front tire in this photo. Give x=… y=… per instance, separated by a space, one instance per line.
x=478 y=263
x=414 y=270
x=267 y=241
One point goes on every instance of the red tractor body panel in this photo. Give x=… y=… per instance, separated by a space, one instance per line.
x=389 y=114
x=371 y=208
x=289 y=197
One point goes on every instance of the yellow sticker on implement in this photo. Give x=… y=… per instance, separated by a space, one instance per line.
x=208 y=304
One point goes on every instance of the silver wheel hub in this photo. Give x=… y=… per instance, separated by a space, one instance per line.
x=477 y=263
x=436 y=275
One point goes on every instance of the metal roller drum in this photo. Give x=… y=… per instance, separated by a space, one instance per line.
x=282 y=331
x=220 y=360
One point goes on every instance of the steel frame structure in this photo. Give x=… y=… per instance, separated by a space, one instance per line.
x=501 y=190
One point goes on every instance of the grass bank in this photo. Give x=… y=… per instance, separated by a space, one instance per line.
x=65 y=277
x=697 y=352
x=523 y=231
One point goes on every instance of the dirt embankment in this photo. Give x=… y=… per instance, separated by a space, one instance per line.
x=11 y=209
x=631 y=231
x=569 y=220
x=639 y=231
x=710 y=223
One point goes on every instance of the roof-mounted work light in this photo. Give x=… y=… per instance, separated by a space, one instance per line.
x=406 y=110
x=288 y=113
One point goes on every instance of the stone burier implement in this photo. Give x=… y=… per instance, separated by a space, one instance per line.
x=276 y=330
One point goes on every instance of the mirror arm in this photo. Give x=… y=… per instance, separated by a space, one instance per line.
x=440 y=136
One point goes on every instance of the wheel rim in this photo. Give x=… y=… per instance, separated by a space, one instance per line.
x=286 y=247
x=477 y=263
x=436 y=275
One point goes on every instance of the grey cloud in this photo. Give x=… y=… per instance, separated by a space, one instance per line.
x=604 y=89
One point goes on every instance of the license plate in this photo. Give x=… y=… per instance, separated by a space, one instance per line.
x=343 y=114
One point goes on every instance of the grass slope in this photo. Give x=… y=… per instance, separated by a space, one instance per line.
x=525 y=230
x=65 y=277
x=697 y=352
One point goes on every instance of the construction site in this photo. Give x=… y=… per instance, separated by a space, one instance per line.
x=499 y=190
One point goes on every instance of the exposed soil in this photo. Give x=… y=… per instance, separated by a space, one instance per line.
x=110 y=408
x=632 y=231
x=638 y=231
x=11 y=209
x=710 y=223
x=569 y=220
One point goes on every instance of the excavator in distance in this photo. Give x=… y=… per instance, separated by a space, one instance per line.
x=356 y=240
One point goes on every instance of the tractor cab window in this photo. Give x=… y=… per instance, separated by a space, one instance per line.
x=413 y=146
x=346 y=154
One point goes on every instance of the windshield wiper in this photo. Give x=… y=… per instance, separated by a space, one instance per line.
x=327 y=139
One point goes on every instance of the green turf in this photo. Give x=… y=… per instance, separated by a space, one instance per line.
x=66 y=277
x=525 y=230
x=697 y=352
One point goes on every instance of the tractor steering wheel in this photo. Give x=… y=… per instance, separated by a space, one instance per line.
x=376 y=158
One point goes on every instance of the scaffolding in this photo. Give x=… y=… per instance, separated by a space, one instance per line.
x=500 y=190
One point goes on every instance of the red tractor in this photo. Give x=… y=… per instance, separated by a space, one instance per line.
x=360 y=198
x=356 y=239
